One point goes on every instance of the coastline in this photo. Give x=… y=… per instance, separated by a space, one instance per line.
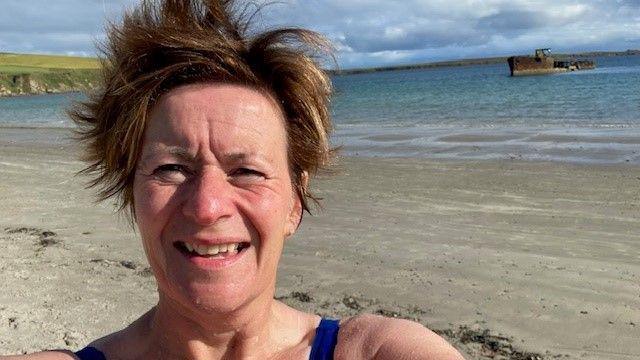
x=474 y=62
x=73 y=80
x=544 y=254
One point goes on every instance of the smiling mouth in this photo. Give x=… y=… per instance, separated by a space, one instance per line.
x=211 y=251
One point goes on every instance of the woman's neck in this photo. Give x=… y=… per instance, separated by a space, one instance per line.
x=259 y=330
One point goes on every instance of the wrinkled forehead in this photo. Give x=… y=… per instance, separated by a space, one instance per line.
x=221 y=115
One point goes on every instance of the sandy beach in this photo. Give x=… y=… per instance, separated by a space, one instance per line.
x=507 y=259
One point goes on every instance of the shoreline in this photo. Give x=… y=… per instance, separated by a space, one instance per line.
x=534 y=253
x=601 y=147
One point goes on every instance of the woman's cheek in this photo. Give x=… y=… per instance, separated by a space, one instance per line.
x=273 y=209
x=152 y=215
x=265 y=201
x=152 y=205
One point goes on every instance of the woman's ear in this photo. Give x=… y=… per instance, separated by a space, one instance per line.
x=295 y=214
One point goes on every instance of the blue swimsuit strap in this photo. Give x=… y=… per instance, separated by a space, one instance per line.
x=322 y=348
x=326 y=339
x=90 y=353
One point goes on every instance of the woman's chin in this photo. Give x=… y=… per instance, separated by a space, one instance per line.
x=213 y=285
x=212 y=297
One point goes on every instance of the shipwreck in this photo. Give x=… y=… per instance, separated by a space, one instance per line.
x=543 y=63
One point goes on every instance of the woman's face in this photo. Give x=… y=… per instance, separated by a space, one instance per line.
x=213 y=195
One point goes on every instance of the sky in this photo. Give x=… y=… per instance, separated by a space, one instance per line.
x=365 y=32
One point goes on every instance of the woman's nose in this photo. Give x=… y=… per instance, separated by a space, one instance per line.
x=209 y=199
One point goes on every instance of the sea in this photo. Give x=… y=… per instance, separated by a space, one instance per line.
x=468 y=112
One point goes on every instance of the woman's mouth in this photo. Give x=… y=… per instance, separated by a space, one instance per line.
x=212 y=255
x=220 y=250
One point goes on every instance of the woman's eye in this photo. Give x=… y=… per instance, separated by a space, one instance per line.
x=246 y=173
x=171 y=172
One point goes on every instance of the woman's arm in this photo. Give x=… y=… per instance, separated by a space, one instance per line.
x=380 y=338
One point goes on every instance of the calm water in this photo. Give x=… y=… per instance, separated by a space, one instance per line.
x=476 y=112
x=485 y=96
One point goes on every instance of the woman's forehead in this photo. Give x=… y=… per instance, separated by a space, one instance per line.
x=219 y=98
x=221 y=114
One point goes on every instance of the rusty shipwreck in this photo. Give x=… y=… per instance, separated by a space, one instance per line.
x=543 y=63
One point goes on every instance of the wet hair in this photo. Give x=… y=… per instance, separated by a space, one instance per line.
x=163 y=44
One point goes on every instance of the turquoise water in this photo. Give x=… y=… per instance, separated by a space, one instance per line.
x=475 y=112
x=486 y=96
x=480 y=112
x=37 y=110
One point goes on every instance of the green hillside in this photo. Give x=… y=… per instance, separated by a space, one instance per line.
x=29 y=62
x=24 y=74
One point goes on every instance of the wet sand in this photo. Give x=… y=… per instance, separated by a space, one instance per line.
x=614 y=145
x=507 y=259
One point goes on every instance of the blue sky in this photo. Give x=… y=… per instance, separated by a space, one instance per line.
x=366 y=32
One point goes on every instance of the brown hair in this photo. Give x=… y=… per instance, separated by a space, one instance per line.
x=163 y=44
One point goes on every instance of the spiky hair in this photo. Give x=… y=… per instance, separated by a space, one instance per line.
x=163 y=44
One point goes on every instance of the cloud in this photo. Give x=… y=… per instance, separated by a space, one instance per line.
x=418 y=35
x=367 y=32
x=68 y=26
x=510 y=20
x=386 y=32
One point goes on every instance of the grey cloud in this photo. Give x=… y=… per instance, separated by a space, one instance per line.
x=411 y=38
x=375 y=26
x=509 y=20
x=630 y=3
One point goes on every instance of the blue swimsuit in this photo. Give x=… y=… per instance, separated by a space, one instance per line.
x=322 y=349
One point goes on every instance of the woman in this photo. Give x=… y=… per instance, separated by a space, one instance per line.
x=208 y=137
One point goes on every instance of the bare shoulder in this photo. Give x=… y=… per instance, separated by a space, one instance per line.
x=377 y=337
x=45 y=355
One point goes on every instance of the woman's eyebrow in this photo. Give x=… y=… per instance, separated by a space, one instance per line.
x=184 y=155
x=181 y=153
x=177 y=151
x=243 y=157
x=236 y=156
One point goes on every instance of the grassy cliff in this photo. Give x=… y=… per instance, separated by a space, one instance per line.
x=24 y=74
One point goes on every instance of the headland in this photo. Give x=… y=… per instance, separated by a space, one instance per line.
x=28 y=74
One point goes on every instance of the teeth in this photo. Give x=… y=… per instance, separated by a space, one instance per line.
x=213 y=249
x=202 y=249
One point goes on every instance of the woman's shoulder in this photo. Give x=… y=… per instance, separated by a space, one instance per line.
x=377 y=337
